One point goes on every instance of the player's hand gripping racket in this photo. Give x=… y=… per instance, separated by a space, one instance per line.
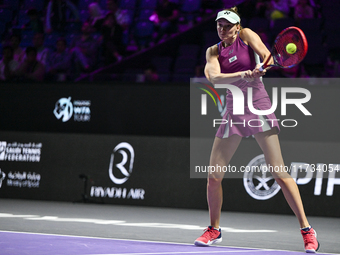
x=290 y=48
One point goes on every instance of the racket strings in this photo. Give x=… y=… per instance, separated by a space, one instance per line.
x=282 y=57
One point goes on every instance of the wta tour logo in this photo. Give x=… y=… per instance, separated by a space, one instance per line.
x=63 y=109
x=80 y=110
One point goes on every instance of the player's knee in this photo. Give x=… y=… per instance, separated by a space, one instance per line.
x=214 y=180
x=283 y=179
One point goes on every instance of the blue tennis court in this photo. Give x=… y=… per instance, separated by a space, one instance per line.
x=41 y=244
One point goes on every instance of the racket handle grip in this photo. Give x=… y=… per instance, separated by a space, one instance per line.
x=261 y=67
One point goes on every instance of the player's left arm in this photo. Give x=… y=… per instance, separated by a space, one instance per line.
x=254 y=41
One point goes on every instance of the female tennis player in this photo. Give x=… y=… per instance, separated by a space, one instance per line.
x=232 y=61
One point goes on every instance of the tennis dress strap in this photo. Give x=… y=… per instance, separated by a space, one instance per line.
x=218 y=48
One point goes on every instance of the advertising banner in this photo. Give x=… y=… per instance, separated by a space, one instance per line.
x=154 y=171
x=95 y=168
x=127 y=109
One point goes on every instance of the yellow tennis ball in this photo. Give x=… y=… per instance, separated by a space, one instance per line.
x=291 y=48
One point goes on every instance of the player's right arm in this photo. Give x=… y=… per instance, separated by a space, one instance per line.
x=213 y=73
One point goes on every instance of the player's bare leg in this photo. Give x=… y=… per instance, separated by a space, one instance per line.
x=221 y=154
x=270 y=145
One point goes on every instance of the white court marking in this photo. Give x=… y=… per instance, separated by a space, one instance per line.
x=130 y=224
x=179 y=252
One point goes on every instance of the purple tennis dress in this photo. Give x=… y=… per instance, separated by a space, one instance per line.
x=235 y=58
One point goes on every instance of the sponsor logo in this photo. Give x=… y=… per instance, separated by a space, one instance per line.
x=114 y=192
x=262 y=186
x=80 y=110
x=303 y=173
x=258 y=181
x=2 y=150
x=23 y=179
x=120 y=170
x=20 y=179
x=22 y=152
x=124 y=167
x=63 y=109
x=2 y=177
x=232 y=59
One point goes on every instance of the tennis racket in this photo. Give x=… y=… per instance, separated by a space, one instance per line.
x=283 y=56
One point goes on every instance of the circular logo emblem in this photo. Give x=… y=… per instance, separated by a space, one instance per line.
x=258 y=181
x=124 y=154
x=63 y=109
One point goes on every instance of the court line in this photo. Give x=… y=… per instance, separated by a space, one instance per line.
x=129 y=224
x=179 y=252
